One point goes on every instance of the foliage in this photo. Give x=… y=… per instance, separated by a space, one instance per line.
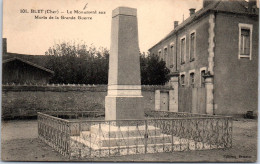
x=153 y=70
x=80 y=64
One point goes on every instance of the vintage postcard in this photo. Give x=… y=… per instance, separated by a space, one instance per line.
x=130 y=80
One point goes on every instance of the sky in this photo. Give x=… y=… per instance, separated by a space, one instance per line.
x=27 y=35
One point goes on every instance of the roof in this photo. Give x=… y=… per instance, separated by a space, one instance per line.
x=27 y=62
x=40 y=60
x=230 y=6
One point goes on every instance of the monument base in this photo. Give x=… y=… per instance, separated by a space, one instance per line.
x=121 y=108
x=102 y=140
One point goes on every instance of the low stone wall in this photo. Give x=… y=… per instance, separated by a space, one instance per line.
x=73 y=87
x=26 y=101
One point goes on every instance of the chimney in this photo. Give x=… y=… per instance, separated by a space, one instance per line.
x=176 y=23
x=207 y=2
x=4 y=46
x=192 y=11
x=251 y=6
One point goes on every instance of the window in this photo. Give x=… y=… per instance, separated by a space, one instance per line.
x=245 y=41
x=202 y=78
x=202 y=74
x=165 y=53
x=183 y=50
x=172 y=56
x=192 y=79
x=192 y=46
x=160 y=54
x=192 y=76
x=182 y=80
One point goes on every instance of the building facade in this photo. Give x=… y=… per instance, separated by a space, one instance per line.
x=215 y=52
x=20 y=71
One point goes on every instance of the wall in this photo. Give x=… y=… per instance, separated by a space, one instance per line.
x=190 y=99
x=201 y=54
x=235 y=80
x=17 y=101
x=200 y=26
x=19 y=72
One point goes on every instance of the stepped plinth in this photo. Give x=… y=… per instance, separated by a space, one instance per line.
x=104 y=140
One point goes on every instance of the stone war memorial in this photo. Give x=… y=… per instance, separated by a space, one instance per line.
x=127 y=128
x=124 y=97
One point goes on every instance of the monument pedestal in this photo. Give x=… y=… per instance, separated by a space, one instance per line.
x=121 y=108
x=103 y=140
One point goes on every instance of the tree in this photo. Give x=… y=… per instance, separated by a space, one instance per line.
x=78 y=63
x=153 y=70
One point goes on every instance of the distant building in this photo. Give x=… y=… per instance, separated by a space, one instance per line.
x=20 y=71
x=219 y=44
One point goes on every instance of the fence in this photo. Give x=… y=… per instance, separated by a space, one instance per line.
x=86 y=138
x=55 y=132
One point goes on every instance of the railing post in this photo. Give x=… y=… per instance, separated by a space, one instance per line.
x=145 y=137
x=231 y=129
x=68 y=140
x=99 y=135
x=90 y=141
x=127 y=137
x=172 y=134
x=80 y=126
x=109 y=139
x=38 y=124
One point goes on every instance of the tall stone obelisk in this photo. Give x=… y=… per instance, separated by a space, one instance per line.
x=124 y=98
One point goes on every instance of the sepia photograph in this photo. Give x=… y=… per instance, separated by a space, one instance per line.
x=129 y=80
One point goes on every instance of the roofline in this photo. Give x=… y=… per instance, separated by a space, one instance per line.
x=177 y=30
x=14 y=53
x=195 y=18
x=27 y=62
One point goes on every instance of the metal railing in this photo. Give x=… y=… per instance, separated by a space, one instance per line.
x=77 y=114
x=55 y=132
x=101 y=138
x=168 y=114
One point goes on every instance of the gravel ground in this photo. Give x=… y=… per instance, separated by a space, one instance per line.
x=20 y=143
